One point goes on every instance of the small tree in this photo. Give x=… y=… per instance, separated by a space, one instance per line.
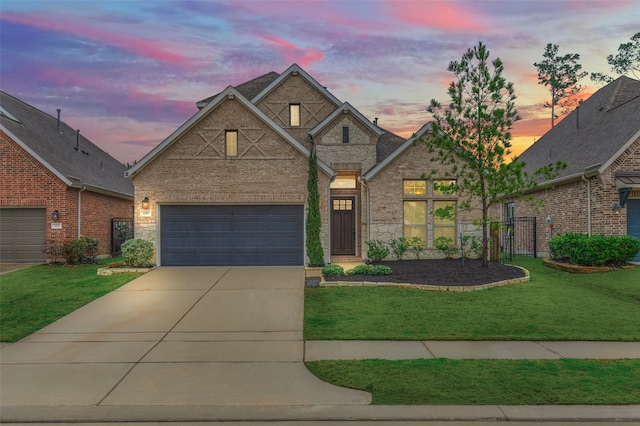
x=314 y=222
x=626 y=61
x=471 y=138
x=561 y=75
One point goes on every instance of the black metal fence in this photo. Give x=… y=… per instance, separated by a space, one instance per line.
x=121 y=231
x=516 y=236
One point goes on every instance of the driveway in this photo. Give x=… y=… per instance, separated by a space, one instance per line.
x=207 y=336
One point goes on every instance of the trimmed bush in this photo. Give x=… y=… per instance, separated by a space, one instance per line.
x=446 y=246
x=596 y=250
x=137 y=253
x=377 y=250
x=381 y=270
x=332 y=270
x=72 y=251
x=399 y=247
x=369 y=270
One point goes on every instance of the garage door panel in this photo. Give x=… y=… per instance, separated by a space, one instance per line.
x=232 y=235
x=22 y=233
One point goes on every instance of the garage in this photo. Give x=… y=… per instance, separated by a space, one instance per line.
x=225 y=235
x=22 y=233
x=633 y=221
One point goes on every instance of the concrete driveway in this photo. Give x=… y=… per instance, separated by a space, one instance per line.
x=208 y=336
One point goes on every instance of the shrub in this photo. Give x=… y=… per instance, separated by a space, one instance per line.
x=53 y=249
x=417 y=245
x=446 y=246
x=377 y=250
x=596 y=250
x=137 y=253
x=473 y=246
x=332 y=270
x=72 y=251
x=399 y=247
x=90 y=249
x=369 y=270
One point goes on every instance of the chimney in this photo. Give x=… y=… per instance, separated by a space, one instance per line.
x=58 y=120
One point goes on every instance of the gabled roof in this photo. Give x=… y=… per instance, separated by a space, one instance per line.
x=230 y=92
x=37 y=133
x=295 y=70
x=593 y=135
x=342 y=109
x=248 y=89
x=426 y=128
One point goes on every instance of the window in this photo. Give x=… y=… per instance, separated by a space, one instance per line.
x=345 y=134
x=444 y=226
x=441 y=186
x=294 y=115
x=429 y=213
x=415 y=219
x=343 y=182
x=510 y=211
x=415 y=187
x=231 y=143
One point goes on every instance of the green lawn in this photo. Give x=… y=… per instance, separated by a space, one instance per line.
x=36 y=296
x=522 y=382
x=554 y=305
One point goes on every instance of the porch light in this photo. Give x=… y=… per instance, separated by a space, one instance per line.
x=55 y=215
x=145 y=203
x=616 y=208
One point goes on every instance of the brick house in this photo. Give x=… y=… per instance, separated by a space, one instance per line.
x=599 y=191
x=229 y=185
x=56 y=184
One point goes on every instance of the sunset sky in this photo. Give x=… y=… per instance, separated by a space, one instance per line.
x=128 y=73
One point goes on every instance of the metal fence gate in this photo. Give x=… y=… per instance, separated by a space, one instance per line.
x=121 y=231
x=516 y=236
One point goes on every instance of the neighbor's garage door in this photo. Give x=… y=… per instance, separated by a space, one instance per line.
x=633 y=221
x=22 y=233
x=231 y=235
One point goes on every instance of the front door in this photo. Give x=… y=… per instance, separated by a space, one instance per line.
x=343 y=226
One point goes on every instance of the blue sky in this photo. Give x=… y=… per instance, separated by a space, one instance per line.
x=128 y=73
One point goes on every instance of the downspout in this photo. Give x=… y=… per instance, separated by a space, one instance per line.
x=588 y=204
x=84 y=187
x=364 y=182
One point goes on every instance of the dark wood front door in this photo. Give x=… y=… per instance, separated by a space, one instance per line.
x=343 y=226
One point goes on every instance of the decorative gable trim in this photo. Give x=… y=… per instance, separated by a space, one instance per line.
x=395 y=154
x=295 y=70
x=622 y=149
x=229 y=93
x=346 y=108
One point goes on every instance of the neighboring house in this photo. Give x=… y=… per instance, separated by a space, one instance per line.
x=229 y=186
x=599 y=191
x=56 y=184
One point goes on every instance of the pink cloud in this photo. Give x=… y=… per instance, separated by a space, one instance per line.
x=291 y=53
x=440 y=14
x=139 y=46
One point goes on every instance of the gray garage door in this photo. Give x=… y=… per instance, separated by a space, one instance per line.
x=231 y=235
x=22 y=232
x=633 y=221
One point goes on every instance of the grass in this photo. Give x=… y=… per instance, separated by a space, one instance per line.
x=37 y=296
x=554 y=305
x=505 y=382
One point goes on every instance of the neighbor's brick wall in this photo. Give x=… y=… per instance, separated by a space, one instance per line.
x=568 y=203
x=27 y=183
x=193 y=170
x=314 y=107
x=386 y=192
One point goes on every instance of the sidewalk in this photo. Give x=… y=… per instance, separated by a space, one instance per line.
x=316 y=350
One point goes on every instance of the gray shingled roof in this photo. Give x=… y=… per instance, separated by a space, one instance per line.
x=387 y=144
x=89 y=165
x=592 y=134
x=248 y=89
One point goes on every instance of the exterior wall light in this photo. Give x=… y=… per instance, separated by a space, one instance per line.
x=616 y=208
x=145 y=203
x=55 y=215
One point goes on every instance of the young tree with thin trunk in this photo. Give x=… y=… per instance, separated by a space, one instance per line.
x=625 y=62
x=561 y=75
x=472 y=135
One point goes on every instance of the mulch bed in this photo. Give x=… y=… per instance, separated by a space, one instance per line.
x=441 y=272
